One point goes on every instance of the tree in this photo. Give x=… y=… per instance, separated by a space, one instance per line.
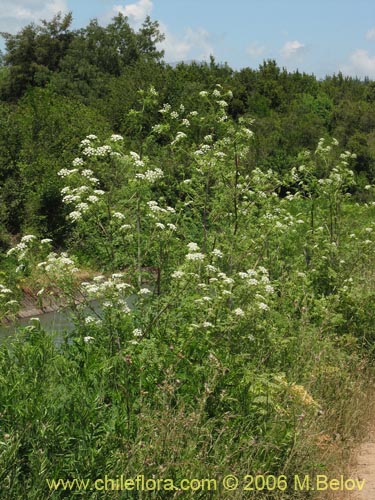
x=44 y=131
x=98 y=54
x=78 y=62
x=34 y=53
x=11 y=191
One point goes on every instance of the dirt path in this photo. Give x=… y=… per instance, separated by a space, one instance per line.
x=362 y=467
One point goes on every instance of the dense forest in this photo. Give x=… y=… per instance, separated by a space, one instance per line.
x=236 y=210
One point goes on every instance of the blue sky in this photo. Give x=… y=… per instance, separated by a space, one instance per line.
x=316 y=36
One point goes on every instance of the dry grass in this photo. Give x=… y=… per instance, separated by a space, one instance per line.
x=341 y=455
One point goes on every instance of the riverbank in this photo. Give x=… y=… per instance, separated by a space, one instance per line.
x=32 y=303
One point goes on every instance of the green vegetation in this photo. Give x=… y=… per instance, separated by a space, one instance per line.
x=231 y=217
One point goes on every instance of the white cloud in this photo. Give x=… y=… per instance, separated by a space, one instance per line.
x=193 y=44
x=136 y=12
x=370 y=35
x=14 y=14
x=292 y=49
x=175 y=49
x=361 y=64
x=255 y=50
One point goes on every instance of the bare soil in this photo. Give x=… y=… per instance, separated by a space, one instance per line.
x=362 y=467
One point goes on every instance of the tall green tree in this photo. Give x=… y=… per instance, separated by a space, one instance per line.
x=34 y=53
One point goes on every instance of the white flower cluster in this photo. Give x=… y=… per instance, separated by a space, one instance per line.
x=217 y=253
x=203 y=150
x=90 y=320
x=239 y=312
x=88 y=173
x=151 y=175
x=65 y=172
x=220 y=154
x=178 y=138
x=192 y=247
x=165 y=109
x=347 y=155
x=78 y=162
x=82 y=197
x=161 y=216
x=158 y=128
x=247 y=132
x=7 y=304
x=118 y=215
x=195 y=256
x=193 y=253
x=258 y=281
x=280 y=219
x=58 y=265
x=263 y=180
x=222 y=103
x=169 y=209
x=91 y=151
x=249 y=292
x=116 y=138
x=125 y=227
x=216 y=288
x=22 y=248
x=340 y=176
x=92 y=198
x=4 y=291
x=257 y=186
x=152 y=91
x=177 y=275
x=178 y=119
x=322 y=148
x=28 y=238
x=75 y=216
x=103 y=150
x=262 y=306
x=113 y=289
x=136 y=159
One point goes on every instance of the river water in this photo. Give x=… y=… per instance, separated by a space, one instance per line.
x=55 y=321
